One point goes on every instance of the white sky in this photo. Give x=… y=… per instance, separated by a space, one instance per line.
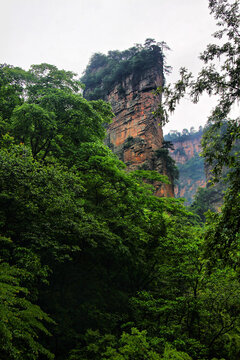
x=66 y=33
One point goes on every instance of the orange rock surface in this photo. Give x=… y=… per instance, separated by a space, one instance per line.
x=184 y=151
x=187 y=149
x=135 y=134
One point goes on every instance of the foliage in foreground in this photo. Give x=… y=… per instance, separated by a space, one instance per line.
x=89 y=255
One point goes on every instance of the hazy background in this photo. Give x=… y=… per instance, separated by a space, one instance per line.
x=66 y=33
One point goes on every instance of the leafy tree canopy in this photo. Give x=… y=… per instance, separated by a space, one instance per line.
x=121 y=273
x=44 y=108
x=219 y=76
x=222 y=81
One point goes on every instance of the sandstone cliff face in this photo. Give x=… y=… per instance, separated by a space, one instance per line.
x=185 y=150
x=189 y=189
x=191 y=166
x=134 y=134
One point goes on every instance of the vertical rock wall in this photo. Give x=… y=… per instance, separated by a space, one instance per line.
x=191 y=167
x=135 y=134
x=185 y=150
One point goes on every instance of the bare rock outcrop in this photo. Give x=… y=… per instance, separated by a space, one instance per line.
x=135 y=133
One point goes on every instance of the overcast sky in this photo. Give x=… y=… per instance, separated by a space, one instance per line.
x=67 y=32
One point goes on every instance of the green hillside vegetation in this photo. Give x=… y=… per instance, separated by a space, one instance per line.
x=93 y=265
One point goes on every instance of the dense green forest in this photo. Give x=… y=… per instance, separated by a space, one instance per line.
x=93 y=265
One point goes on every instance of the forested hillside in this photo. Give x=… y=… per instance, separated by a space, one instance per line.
x=93 y=265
